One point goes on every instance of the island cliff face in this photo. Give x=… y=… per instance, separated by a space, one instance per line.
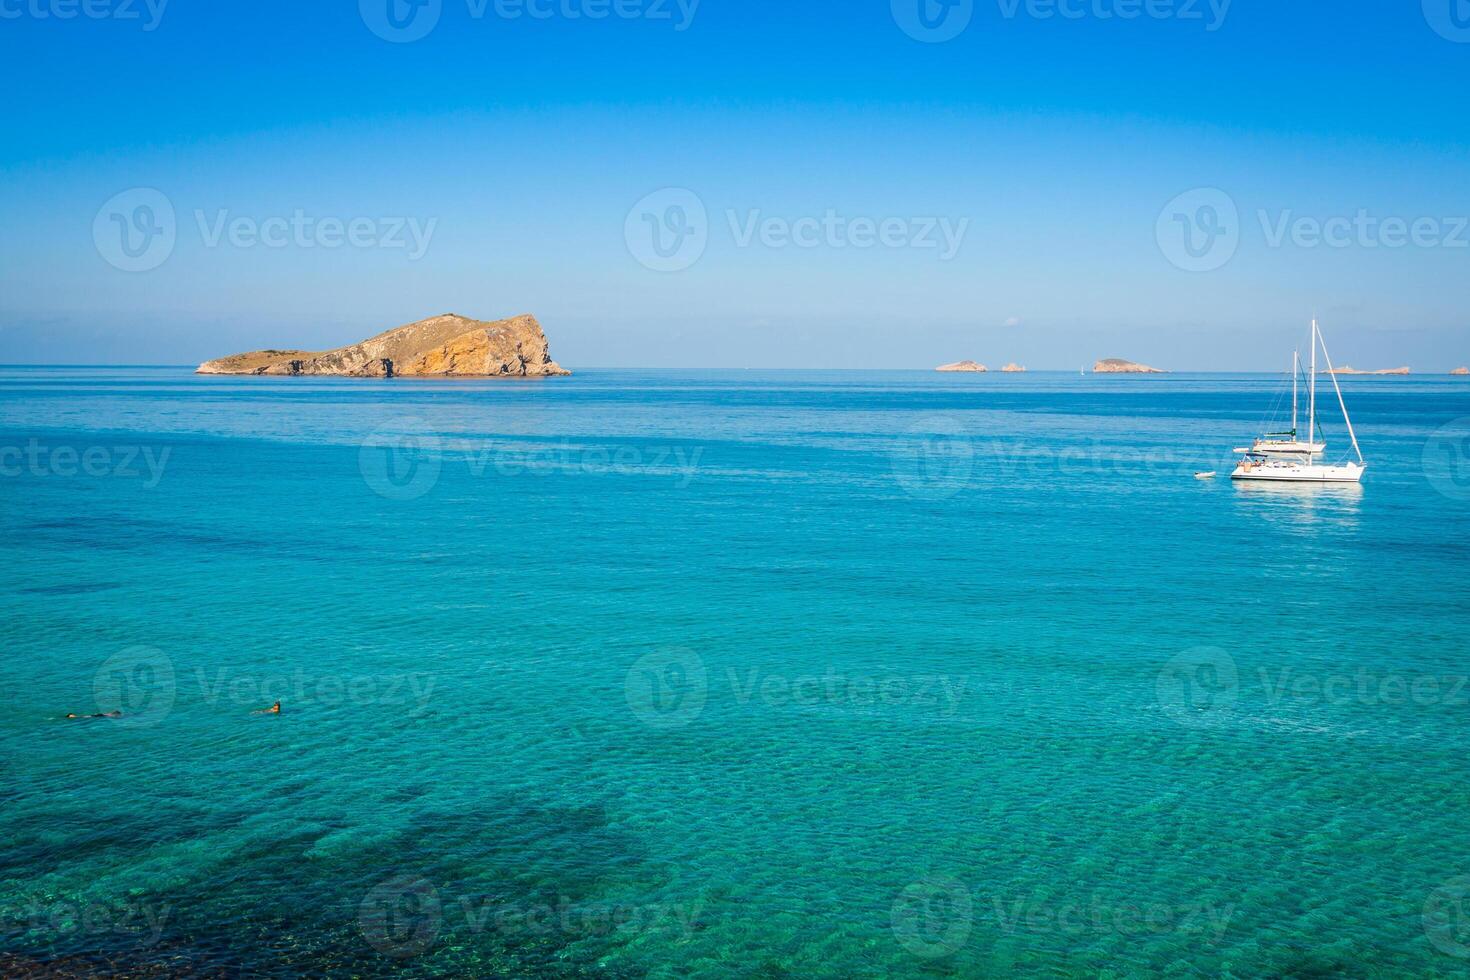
x=1116 y=365
x=962 y=366
x=441 y=346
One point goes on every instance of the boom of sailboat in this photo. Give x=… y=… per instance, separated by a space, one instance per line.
x=1291 y=457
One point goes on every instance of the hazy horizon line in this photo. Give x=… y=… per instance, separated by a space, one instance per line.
x=1450 y=372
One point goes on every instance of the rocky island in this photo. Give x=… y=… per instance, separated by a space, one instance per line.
x=962 y=366
x=448 y=346
x=1461 y=370
x=1352 y=370
x=1116 y=365
x=1013 y=368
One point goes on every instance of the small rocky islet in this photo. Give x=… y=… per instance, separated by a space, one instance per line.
x=1110 y=365
x=1346 y=369
x=1116 y=365
x=973 y=366
x=446 y=346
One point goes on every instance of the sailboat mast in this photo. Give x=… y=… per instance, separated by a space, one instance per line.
x=1296 y=367
x=1312 y=394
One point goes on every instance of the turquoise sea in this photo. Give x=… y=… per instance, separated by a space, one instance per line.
x=637 y=673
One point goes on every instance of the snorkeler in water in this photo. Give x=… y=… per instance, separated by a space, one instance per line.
x=110 y=714
x=274 y=709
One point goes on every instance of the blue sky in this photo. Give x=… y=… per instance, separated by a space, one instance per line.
x=1018 y=191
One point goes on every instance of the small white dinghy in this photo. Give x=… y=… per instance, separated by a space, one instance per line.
x=1205 y=475
x=1283 y=456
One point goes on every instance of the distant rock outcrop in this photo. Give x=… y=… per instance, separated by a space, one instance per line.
x=1345 y=369
x=1461 y=370
x=1116 y=365
x=441 y=346
x=1013 y=368
x=962 y=366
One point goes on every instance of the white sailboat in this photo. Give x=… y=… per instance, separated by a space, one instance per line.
x=1285 y=456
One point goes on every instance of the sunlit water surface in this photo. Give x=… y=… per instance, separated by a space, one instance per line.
x=683 y=673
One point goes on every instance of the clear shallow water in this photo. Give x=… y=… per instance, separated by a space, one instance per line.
x=786 y=673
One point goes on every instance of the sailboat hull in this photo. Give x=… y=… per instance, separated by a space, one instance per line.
x=1281 y=457
x=1280 y=471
